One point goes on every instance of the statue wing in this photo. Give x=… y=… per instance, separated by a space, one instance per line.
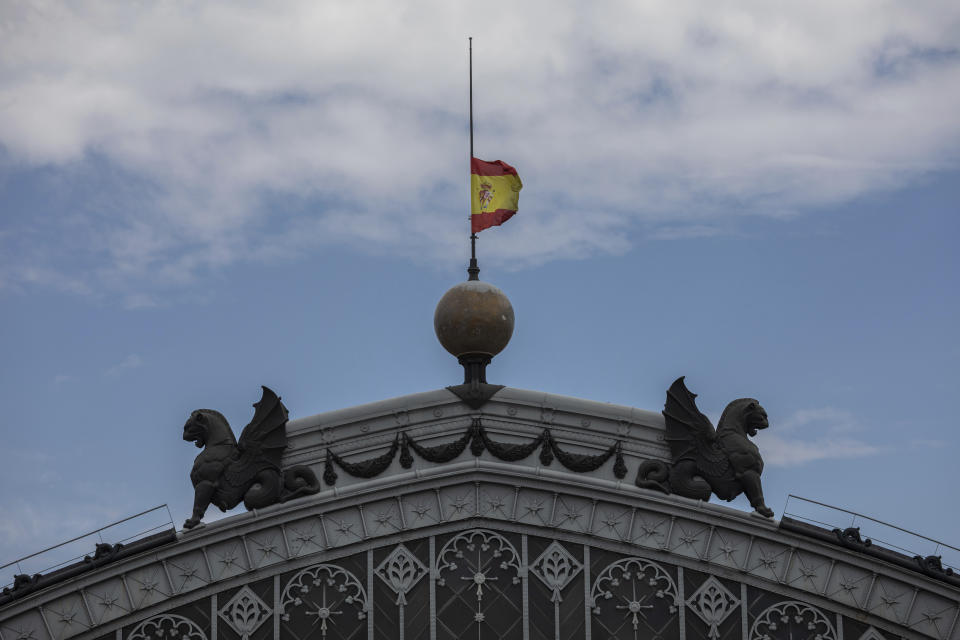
x=266 y=435
x=690 y=434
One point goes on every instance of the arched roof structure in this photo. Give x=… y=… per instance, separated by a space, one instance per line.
x=519 y=519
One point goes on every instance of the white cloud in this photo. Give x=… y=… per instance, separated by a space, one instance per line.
x=235 y=127
x=132 y=361
x=813 y=434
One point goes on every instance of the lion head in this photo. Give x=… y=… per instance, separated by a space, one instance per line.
x=745 y=416
x=201 y=423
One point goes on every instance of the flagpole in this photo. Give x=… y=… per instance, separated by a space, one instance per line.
x=473 y=270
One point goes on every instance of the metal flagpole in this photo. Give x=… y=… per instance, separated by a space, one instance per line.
x=473 y=270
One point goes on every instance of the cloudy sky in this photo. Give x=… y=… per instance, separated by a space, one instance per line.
x=199 y=198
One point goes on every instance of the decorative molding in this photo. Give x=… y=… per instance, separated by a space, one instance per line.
x=490 y=549
x=718 y=542
x=713 y=603
x=338 y=590
x=401 y=570
x=245 y=612
x=479 y=440
x=792 y=619
x=634 y=585
x=556 y=567
x=871 y=634
x=166 y=626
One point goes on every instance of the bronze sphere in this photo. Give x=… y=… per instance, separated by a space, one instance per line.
x=474 y=318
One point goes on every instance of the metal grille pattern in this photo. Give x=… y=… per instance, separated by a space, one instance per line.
x=477 y=584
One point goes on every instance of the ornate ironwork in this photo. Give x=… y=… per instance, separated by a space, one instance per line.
x=167 y=625
x=491 y=550
x=712 y=603
x=850 y=538
x=933 y=566
x=338 y=589
x=245 y=612
x=401 y=570
x=635 y=585
x=103 y=552
x=792 y=619
x=556 y=567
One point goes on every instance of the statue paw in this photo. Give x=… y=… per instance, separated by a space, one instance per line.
x=765 y=511
x=191 y=523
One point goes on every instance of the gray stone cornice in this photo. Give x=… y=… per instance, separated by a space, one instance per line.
x=550 y=501
x=553 y=504
x=366 y=427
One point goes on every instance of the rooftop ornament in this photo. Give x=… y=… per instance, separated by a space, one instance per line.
x=228 y=472
x=722 y=461
x=474 y=322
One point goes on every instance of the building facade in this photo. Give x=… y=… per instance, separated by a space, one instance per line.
x=519 y=519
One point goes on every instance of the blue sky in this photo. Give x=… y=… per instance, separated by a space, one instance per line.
x=199 y=199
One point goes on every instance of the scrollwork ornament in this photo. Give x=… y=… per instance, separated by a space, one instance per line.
x=635 y=586
x=556 y=567
x=167 y=625
x=850 y=538
x=480 y=552
x=933 y=566
x=794 y=620
x=713 y=603
x=323 y=591
x=401 y=570
x=245 y=612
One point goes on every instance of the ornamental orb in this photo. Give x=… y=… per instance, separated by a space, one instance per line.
x=474 y=317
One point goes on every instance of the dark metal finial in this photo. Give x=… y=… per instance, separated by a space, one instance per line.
x=474 y=269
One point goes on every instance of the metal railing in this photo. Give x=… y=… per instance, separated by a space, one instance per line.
x=881 y=533
x=74 y=550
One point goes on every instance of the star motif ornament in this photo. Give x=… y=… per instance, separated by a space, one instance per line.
x=420 y=509
x=460 y=503
x=848 y=585
x=534 y=507
x=343 y=527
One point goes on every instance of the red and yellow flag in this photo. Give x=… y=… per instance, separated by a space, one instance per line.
x=495 y=193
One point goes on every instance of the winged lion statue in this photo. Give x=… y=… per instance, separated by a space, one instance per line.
x=230 y=471
x=723 y=461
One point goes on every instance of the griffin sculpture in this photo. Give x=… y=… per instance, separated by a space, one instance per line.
x=228 y=472
x=723 y=461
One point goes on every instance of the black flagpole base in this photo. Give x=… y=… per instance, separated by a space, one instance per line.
x=475 y=391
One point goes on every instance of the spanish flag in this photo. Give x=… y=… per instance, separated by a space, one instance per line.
x=495 y=192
